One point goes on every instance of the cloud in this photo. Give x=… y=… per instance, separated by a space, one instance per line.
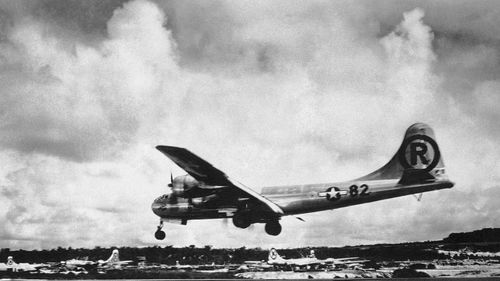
x=273 y=93
x=67 y=109
x=88 y=17
x=84 y=102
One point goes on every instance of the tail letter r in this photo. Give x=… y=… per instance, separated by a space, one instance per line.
x=418 y=149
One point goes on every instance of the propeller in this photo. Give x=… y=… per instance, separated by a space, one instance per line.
x=171 y=184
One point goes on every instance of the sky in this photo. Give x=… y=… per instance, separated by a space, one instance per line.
x=270 y=92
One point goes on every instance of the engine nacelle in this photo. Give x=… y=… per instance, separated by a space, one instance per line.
x=205 y=201
x=181 y=185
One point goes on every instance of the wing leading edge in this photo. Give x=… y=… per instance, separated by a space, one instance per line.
x=204 y=172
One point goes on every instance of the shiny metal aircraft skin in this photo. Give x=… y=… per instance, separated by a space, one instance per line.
x=275 y=259
x=208 y=193
x=113 y=261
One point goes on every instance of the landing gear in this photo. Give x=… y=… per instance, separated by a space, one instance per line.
x=241 y=220
x=273 y=228
x=160 y=234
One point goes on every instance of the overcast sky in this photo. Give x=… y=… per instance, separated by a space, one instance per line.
x=271 y=92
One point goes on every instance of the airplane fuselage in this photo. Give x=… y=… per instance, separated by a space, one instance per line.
x=298 y=199
x=319 y=197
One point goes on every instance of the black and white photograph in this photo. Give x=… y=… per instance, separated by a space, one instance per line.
x=217 y=139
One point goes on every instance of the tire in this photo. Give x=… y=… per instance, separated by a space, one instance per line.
x=241 y=221
x=273 y=228
x=160 y=235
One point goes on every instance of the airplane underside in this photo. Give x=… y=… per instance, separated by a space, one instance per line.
x=240 y=218
x=315 y=200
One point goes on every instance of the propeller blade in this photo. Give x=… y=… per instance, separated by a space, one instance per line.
x=171 y=184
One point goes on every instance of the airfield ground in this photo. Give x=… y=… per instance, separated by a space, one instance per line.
x=440 y=271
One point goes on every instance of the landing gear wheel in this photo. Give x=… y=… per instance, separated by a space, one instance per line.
x=273 y=228
x=241 y=221
x=160 y=234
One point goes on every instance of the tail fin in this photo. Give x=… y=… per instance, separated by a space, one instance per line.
x=418 y=158
x=10 y=261
x=274 y=257
x=114 y=258
x=311 y=254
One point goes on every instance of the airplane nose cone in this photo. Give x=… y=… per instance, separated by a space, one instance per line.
x=156 y=208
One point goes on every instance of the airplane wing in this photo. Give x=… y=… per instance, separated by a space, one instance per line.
x=204 y=172
x=118 y=262
x=303 y=262
x=350 y=261
x=347 y=259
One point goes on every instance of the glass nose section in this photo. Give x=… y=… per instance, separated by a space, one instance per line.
x=159 y=203
x=161 y=199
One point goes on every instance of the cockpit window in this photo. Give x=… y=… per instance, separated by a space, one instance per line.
x=161 y=198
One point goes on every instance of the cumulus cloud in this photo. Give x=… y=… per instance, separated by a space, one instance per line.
x=273 y=93
x=64 y=106
x=83 y=102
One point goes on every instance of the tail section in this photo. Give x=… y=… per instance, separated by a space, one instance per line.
x=311 y=254
x=113 y=261
x=274 y=257
x=417 y=160
x=114 y=258
x=10 y=261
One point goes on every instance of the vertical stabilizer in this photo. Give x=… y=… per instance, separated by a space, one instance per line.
x=274 y=257
x=417 y=159
x=10 y=261
x=114 y=258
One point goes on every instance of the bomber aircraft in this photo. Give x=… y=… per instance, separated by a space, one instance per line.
x=310 y=261
x=275 y=259
x=113 y=261
x=208 y=193
x=13 y=266
x=75 y=263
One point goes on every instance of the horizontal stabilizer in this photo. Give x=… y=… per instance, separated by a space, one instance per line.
x=414 y=176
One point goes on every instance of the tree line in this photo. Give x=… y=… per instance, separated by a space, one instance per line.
x=487 y=239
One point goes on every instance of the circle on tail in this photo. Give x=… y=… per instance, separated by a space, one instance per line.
x=274 y=255
x=418 y=154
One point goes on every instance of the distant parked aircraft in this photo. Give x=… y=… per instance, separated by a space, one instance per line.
x=113 y=261
x=275 y=259
x=74 y=263
x=11 y=265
